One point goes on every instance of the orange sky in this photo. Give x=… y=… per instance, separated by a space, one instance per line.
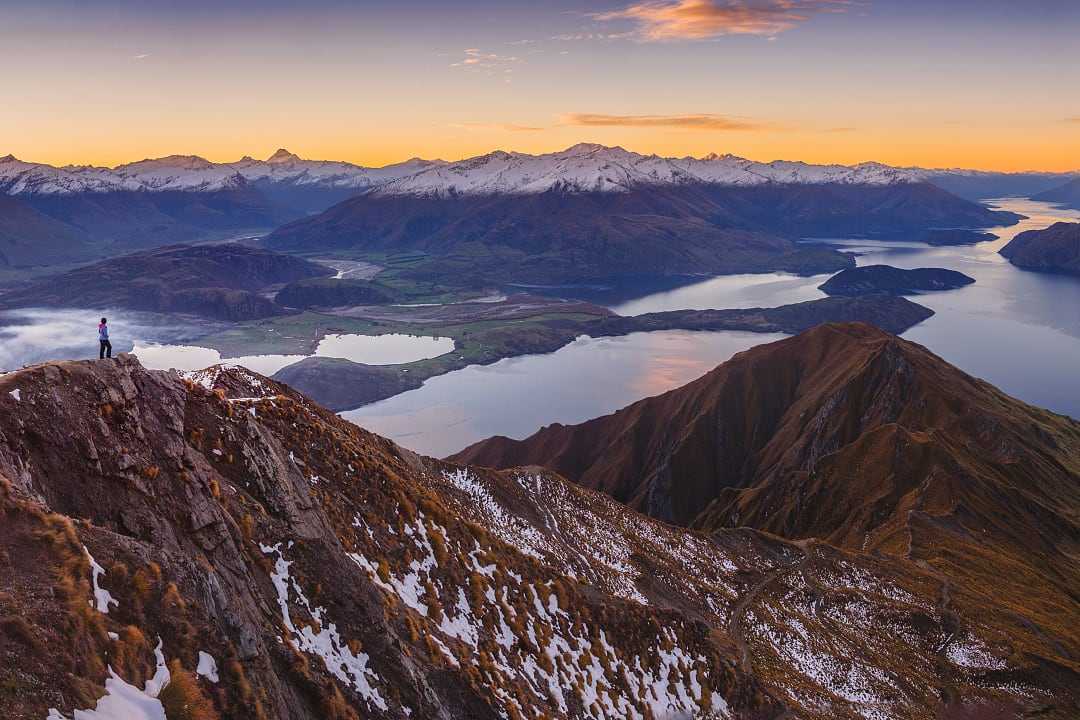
x=968 y=84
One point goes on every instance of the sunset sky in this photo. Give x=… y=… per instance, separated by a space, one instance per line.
x=975 y=83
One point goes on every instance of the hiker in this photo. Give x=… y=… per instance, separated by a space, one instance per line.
x=103 y=336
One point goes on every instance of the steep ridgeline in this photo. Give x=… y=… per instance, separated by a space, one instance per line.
x=853 y=436
x=217 y=281
x=1054 y=249
x=219 y=546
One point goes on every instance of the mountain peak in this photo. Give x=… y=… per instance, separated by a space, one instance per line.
x=281 y=155
x=587 y=147
x=9 y=158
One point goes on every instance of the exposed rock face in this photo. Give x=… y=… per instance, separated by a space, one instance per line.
x=330 y=574
x=218 y=281
x=1054 y=249
x=874 y=279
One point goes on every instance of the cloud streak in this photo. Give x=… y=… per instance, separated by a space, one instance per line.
x=703 y=121
x=1075 y=120
x=666 y=20
x=477 y=60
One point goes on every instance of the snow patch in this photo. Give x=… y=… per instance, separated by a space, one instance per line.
x=322 y=640
x=207 y=667
x=123 y=701
x=102 y=597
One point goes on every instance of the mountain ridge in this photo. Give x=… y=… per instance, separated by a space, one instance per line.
x=272 y=560
x=582 y=167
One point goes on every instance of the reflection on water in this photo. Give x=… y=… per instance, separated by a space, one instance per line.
x=160 y=356
x=517 y=396
x=729 y=291
x=1019 y=330
x=390 y=349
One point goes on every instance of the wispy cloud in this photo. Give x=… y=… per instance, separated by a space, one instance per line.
x=659 y=20
x=1075 y=120
x=140 y=56
x=582 y=36
x=505 y=127
x=489 y=63
x=703 y=121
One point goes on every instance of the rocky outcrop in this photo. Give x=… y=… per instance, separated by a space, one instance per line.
x=885 y=279
x=278 y=562
x=1055 y=249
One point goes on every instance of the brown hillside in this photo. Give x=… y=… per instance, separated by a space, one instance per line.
x=859 y=438
x=331 y=574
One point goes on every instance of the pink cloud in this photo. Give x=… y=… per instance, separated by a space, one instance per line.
x=659 y=20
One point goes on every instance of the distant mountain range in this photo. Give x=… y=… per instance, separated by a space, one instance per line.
x=53 y=215
x=1067 y=194
x=191 y=173
x=567 y=234
x=583 y=167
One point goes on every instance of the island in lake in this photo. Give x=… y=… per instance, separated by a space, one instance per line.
x=878 y=279
x=956 y=236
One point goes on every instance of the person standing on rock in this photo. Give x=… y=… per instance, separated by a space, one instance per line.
x=103 y=337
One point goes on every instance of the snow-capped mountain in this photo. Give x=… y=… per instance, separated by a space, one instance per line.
x=584 y=167
x=25 y=178
x=192 y=173
x=589 y=167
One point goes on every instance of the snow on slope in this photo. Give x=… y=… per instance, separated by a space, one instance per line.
x=190 y=173
x=588 y=167
x=583 y=167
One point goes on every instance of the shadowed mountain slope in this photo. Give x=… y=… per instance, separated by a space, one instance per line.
x=1067 y=194
x=1052 y=249
x=219 y=281
x=28 y=237
x=850 y=435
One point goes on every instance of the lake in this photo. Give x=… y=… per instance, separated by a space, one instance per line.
x=516 y=396
x=389 y=349
x=1016 y=329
